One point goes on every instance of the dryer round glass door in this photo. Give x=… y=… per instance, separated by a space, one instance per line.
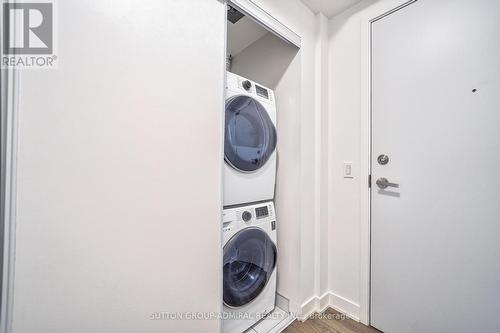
x=250 y=135
x=249 y=261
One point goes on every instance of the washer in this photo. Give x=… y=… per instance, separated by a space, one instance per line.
x=249 y=142
x=249 y=265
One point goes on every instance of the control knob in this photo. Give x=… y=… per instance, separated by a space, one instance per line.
x=247 y=84
x=246 y=216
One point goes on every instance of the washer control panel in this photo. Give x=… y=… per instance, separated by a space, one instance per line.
x=247 y=215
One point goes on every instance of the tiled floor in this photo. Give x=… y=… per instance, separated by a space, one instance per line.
x=330 y=321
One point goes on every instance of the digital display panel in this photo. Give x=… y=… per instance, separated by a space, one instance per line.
x=262 y=92
x=261 y=212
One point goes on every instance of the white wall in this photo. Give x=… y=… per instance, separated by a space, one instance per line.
x=287 y=200
x=119 y=170
x=243 y=33
x=266 y=61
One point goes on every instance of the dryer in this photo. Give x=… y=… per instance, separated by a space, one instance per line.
x=250 y=140
x=249 y=265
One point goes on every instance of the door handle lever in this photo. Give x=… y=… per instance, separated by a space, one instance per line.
x=383 y=183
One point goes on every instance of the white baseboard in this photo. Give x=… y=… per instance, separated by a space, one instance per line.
x=314 y=305
x=343 y=305
x=308 y=308
x=318 y=304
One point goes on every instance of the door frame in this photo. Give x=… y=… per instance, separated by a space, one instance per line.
x=9 y=99
x=374 y=13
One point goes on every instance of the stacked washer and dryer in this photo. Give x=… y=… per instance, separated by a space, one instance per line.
x=249 y=219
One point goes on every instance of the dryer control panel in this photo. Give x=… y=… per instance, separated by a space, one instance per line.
x=238 y=83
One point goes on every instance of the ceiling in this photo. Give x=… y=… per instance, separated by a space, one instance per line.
x=241 y=34
x=329 y=7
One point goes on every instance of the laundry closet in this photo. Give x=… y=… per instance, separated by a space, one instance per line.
x=261 y=89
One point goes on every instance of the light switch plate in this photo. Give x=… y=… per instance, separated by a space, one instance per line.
x=348 y=171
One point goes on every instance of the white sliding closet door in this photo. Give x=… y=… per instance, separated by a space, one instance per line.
x=119 y=171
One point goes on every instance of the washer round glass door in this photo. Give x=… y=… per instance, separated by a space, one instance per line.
x=250 y=135
x=249 y=261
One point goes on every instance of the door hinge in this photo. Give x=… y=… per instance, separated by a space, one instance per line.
x=369 y=181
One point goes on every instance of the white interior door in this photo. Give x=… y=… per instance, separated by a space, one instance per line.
x=436 y=115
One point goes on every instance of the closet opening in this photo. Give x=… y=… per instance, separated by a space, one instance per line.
x=261 y=144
